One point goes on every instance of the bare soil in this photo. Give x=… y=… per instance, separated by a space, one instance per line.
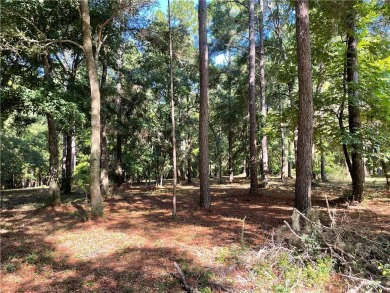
x=133 y=247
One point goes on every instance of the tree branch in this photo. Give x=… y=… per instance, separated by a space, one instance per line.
x=51 y=42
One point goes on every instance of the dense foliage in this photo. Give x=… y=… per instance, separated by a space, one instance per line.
x=130 y=42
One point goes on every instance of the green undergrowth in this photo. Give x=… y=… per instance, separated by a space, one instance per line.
x=284 y=270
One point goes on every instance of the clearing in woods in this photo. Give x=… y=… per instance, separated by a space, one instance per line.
x=134 y=246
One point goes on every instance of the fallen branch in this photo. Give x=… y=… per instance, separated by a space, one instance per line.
x=292 y=231
x=183 y=278
x=366 y=282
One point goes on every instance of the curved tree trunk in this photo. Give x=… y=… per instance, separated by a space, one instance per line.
x=252 y=103
x=305 y=115
x=205 y=199
x=96 y=197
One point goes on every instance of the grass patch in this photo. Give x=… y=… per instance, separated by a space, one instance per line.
x=98 y=242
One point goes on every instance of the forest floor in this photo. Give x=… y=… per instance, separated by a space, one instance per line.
x=134 y=246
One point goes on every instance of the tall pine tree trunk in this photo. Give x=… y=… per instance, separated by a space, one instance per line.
x=264 y=143
x=323 y=173
x=54 y=187
x=230 y=151
x=63 y=161
x=118 y=162
x=104 y=182
x=73 y=161
x=357 y=170
x=96 y=197
x=283 y=159
x=174 y=161
x=252 y=102
x=68 y=164
x=189 y=161
x=305 y=114
x=205 y=199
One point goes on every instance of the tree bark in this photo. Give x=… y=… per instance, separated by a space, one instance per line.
x=323 y=173
x=104 y=182
x=264 y=143
x=386 y=173
x=230 y=151
x=118 y=162
x=291 y=157
x=205 y=199
x=189 y=161
x=96 y=197
x=357 y=169
x=252 y=102
x=289 y=162
x=305 y=114
x=73 y=162
x=54 y=187
x=68 y=164
x=63 y=161
x=174 y=160
x=283 y=159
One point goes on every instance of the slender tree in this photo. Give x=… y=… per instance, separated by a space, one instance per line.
x=205 y=199
x=264 y=143
x=96 y=197
x=357 y=166
x=104 y=188
x=119 y=139
x=252 y=102
x=54 y=187
x=172 y=112
x=305 y=114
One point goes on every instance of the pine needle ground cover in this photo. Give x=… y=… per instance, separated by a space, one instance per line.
x=240 y=245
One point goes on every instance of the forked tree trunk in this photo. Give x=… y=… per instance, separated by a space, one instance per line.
x=357 y=170
x=252 y=103
x=305 y=115
x=205 y=199
x=96 y=197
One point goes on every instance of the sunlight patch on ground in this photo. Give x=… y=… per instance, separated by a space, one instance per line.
x=97 y=242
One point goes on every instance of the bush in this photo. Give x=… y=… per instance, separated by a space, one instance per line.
x=81 y=175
